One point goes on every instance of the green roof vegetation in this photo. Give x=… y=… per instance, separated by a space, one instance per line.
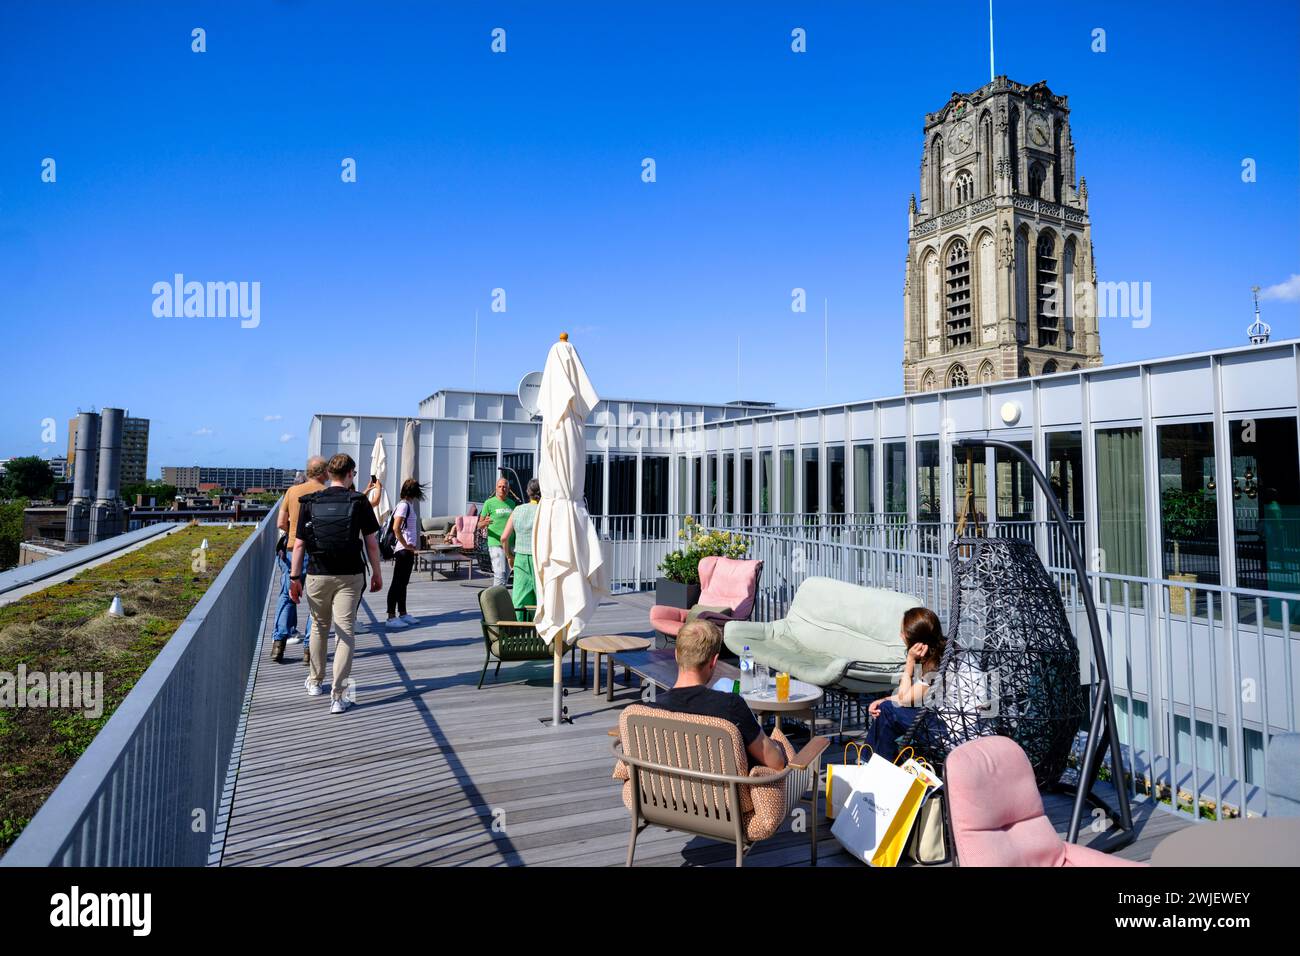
x=66 y=628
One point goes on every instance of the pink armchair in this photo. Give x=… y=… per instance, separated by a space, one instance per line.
x=997 y=813
x=724 y=582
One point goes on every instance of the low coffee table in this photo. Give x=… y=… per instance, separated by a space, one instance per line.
x=608 y=645
x=659 y=667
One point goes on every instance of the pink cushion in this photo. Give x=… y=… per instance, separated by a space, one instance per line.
x=465 y=527
x=667 y=620
x=728 y=582
x=997 y=813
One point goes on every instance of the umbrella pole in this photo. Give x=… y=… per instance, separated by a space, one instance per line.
x=557 y=677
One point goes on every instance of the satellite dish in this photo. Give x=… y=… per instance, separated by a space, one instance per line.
x=530 y=387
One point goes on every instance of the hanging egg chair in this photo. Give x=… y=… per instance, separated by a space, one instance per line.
x=1011 y=665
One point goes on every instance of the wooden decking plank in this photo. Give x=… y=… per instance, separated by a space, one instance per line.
x=414 y=774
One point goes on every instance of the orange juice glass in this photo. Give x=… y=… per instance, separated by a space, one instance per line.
x=782 y=686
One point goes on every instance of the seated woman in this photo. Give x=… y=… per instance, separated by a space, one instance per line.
x=922 y=634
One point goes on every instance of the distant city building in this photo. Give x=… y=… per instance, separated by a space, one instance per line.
x=999 y=255
x=96 y=511
x=60 y=468
x=135 y=451
x=197 y=477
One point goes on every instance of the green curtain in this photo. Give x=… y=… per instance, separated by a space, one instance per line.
x=1121 y=507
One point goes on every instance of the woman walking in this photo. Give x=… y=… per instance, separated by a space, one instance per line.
x=406 y=529
x=520 y=525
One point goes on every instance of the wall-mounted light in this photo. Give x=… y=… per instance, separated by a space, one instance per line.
x=1010 y=412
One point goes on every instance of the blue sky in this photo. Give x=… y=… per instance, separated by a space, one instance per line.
x=522 y=171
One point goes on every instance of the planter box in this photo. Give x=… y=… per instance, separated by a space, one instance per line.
x=675 y=594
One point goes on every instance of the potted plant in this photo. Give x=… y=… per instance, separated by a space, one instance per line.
x=680 y=584
x=1186 y=515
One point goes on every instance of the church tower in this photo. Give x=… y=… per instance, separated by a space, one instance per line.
x=1000 y=273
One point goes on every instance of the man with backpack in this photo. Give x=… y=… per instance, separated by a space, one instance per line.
x=334 y=525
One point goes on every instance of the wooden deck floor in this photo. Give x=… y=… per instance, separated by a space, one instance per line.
x=427 y=770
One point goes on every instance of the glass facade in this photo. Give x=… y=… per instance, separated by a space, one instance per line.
x=969 y=488
x=1189 y=525
x=1065 y=471
x=863 y=489
x=482 y=476
x=1265 y=491
x=654 y=484
x=787 y=481
x=1121 y=508
x=729 y=483
x=929 y=506
x=518 y=466
x=595 y=484
x=766 y=482
x=835 y=486
x=683 y=486
x=811 y=482
x=747 y=482
x=622 y=484
x=1014 y=483
x=895 y=504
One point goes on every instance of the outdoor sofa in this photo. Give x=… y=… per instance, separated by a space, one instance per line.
x=835 y=635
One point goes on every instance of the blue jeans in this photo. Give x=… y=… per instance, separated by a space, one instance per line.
x=886 y=728
x=286 y=612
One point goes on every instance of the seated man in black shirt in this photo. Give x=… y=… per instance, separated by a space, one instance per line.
x=698 y=646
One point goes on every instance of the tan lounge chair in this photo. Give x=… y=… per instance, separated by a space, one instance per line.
x=691 y=777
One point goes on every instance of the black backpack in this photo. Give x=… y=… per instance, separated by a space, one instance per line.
x=330 y=527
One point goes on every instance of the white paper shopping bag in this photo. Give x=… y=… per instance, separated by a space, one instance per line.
x=877 y=816
x=842 y=777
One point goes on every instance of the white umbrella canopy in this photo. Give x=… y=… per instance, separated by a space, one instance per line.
x=379 y=468
x=411 y=450
x=566 y=549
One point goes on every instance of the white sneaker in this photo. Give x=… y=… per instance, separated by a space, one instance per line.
x=410 y=619
x=313 y=690
x=395 y=622
x=339 y=705
x=293 y=638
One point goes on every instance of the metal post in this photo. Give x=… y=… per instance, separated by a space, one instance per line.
x=1103 y=705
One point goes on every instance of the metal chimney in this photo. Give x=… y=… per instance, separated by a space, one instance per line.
x=107 y=513
x=77 y=527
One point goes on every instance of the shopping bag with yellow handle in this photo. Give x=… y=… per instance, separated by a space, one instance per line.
x=841 y=776
x=876 y=818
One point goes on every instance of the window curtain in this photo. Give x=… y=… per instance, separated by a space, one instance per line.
x=1121 y=508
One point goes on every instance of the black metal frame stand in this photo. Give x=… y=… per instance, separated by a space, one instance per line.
x=1102 y=732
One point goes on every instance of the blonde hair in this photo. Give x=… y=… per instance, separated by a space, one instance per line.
x=698 y=642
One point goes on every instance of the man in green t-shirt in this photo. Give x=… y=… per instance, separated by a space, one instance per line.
x=493 y=515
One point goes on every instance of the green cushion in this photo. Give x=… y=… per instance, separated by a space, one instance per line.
x=829 y=624
x=699 y=609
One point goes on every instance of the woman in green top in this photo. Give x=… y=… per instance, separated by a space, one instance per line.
x=519 y=529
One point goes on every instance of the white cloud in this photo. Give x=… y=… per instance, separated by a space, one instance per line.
x=286 y=437
x=1288 y=291
x=200 y=432
x=272 y=418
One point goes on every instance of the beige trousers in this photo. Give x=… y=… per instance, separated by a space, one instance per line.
x=333 y=599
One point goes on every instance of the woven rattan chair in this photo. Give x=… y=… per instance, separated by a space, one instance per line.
x=690 y=776
x=506 y=638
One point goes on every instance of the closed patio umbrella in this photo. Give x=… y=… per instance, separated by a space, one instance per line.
x=566 y=549
x=379 y=468
x=411 y=450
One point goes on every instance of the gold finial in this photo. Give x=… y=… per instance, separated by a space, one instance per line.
x=564 y=336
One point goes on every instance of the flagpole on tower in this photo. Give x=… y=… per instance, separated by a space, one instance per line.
x=992 y=75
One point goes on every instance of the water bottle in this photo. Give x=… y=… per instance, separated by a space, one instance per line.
x=747 y=671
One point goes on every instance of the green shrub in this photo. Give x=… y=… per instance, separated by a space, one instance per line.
x=683 y=565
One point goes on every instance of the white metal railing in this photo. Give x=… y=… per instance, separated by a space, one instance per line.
x=131 y=798
x=1203 y=674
